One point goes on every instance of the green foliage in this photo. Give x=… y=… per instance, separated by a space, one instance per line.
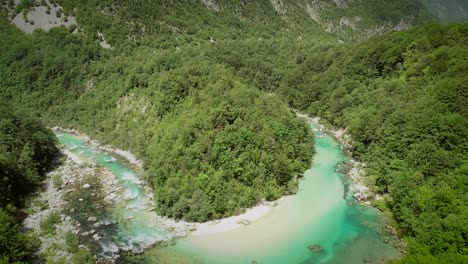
x=57 y=181
x=25 y=4
x=72 y=242
x=228 y=150
x=15 y=247
x=48 y=224
x=79 y=255
x=26 y=150
x=83 y=256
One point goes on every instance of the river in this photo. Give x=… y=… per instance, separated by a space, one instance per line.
x=321 y=214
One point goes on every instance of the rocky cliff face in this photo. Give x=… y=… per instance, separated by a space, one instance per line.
x=212 y=5
x=448 y=11
x=344 y=19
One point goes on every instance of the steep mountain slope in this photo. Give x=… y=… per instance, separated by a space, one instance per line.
x=448 y=11
x=348 y=20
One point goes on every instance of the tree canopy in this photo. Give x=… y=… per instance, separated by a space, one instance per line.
x=26 y=152
x=202 y=97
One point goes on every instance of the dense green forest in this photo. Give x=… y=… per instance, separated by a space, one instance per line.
x=27 y=149
x=225 y=149
x=202 y=97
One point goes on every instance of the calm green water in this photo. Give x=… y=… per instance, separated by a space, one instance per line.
x=318 y=214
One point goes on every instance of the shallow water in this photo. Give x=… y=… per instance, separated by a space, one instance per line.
x=317 y=215
x=135 y=222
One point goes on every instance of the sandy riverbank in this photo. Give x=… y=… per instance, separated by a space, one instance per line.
x=226 y=224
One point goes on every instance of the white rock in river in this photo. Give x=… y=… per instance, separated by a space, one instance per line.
x=180 y=233
x=92 y=219
x=86 y=186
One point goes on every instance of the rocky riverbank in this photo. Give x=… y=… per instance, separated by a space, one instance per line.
x=56 y=216
x=125 y=155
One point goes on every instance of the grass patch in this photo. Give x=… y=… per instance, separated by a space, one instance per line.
x=48 y=224
x=43 y=205
x=72 y=243
x=57 y=181
x=83 y=256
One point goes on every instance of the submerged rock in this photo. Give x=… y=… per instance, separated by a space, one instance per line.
x=272 y=203
x=180 y=234
x=315 y=248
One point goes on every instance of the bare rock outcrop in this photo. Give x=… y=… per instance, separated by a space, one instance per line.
x=279 y=6
x=212 y=5
x=43 y=17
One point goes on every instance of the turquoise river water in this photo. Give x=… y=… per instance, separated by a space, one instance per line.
x=321 y=213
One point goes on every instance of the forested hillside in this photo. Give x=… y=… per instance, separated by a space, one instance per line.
x=225 y=149
x=201 y=94
x=167 y=100
x=26 y=151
